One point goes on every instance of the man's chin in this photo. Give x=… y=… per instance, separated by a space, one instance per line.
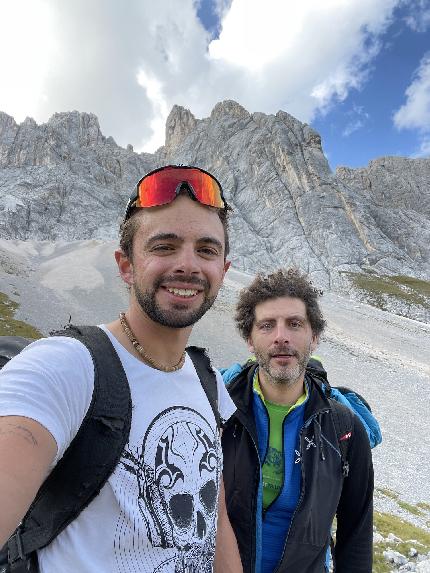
x=179 y=317
x=285 y=376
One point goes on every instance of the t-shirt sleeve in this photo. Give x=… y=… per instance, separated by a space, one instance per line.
x=226 y=405
x=51 y=381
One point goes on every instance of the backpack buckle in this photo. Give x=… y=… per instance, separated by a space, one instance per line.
x=15 y=548
x=345 y=469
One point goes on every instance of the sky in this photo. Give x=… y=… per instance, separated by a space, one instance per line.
x=357 y=71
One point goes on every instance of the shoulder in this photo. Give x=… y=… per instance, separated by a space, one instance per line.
x=51 y=381
x=50 y=353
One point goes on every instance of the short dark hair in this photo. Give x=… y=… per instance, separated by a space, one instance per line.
x=283 y=282
x=129 y=227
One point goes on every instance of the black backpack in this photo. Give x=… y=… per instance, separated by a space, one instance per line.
x=94 y=452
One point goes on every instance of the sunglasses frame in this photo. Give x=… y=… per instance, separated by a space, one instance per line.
x=131 y=202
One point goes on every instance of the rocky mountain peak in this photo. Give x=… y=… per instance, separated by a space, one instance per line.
x=56 y=179
x=81 y=128
x=178 y=125
x=8 y=128
x=229 y=108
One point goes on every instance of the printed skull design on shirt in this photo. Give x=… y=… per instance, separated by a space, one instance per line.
x=178 y=472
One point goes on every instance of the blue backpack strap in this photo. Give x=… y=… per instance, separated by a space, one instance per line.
x=362 y=409
x=349 y=398
x=90 y=458
x=231 y=372
x=207 y=377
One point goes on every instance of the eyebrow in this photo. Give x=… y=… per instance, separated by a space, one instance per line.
x=212 y=241
x=163 y=237
x=287 y=318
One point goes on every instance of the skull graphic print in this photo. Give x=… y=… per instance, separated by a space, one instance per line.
x=178 y=471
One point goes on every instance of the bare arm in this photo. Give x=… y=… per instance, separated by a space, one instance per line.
x=227 y=558
x=27 y=450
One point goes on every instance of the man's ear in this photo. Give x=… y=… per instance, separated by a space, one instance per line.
x=125 y=267
x=250 y=345
x=226 y=267
x=314 y=342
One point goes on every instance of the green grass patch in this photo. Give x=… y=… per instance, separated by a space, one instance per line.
x=388 y=492
x=386 y=524
x=9 y=325
x=379 y=563
x=381 y=288
x=419 y=509
x=411 y=508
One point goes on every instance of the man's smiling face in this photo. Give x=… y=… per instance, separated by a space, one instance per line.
x=282 y=339
x=178 y=262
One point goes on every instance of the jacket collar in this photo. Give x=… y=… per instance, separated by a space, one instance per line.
x=318 y=399
x=241 y=390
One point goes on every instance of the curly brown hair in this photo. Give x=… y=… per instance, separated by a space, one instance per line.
x=130 y=226
x=283 y=282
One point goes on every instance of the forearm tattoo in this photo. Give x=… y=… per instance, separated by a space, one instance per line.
x=20 y=431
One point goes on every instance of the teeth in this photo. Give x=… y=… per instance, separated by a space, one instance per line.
x=183 y=291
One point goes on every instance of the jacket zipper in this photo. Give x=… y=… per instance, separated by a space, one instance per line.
x=302 y=492
x=283 y=469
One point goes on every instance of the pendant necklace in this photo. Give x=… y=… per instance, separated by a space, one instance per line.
x=138 y=347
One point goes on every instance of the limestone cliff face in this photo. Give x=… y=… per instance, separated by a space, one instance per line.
x=64 y=179
x=395 y=192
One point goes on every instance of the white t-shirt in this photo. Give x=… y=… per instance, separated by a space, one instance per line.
x=158 y=510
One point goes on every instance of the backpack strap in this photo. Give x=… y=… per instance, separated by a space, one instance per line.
x=343 y=420
x=10 y=346
x=91 y=456
x=207 y=376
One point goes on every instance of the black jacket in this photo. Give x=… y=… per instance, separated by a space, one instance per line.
x=325 y=492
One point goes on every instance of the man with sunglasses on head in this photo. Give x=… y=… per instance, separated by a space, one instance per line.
x=163 y=505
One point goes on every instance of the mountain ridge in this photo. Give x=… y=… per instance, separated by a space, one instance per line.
x=289 y=208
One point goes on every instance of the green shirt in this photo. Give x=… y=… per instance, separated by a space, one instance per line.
x=273 y=466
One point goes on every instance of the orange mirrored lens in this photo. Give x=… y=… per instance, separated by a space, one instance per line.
x=161 y=187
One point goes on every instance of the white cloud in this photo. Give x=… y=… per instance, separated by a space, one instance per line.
x=25 y=45
x=424 y=150
x=357 y=119
x=154 y=92
x=418 y=16
x=415 y=113
x=131 y=62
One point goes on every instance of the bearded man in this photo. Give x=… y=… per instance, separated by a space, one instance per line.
x=284 y=475
x=162 y=507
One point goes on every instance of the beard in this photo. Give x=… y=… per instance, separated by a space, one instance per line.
x=284 y=375
x=179 y=316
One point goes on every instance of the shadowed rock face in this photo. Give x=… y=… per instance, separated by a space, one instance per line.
x=64 y=179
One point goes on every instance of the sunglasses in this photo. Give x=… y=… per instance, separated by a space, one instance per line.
x=163 y=185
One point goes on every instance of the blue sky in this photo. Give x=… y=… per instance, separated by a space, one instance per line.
x=361 y=127
x=357 y=70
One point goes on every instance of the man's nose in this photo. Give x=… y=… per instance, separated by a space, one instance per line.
x=187 y=261
x=282 y=334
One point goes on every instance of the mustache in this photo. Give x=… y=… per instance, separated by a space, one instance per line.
x=182 y=279
x=284 y=349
